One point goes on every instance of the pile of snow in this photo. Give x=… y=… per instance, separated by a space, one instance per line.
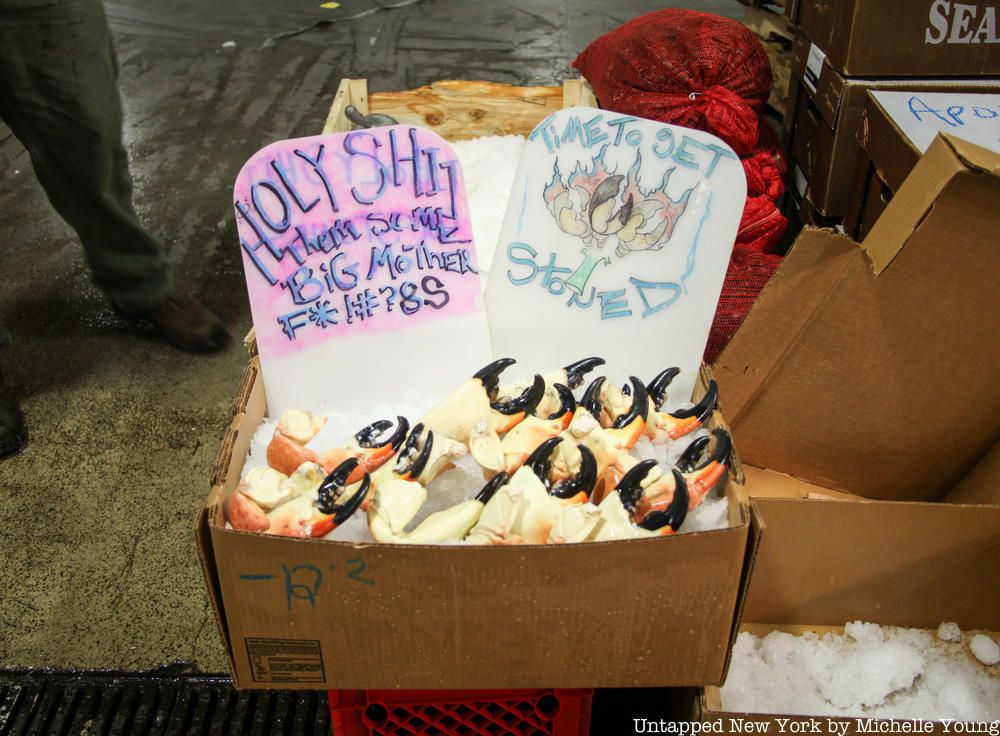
x=869 y=671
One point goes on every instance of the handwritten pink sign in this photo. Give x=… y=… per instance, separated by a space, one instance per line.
x=354 y=233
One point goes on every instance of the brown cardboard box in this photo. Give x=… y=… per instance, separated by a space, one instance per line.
x=867 y=372
x=904 y=38
x=890 y=154
x=824 y=115
x=318 y=614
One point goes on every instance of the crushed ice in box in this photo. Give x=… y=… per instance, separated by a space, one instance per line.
x=868 y=671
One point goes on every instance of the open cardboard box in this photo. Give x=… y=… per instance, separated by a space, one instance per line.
x=862 y=390
x=319 y=614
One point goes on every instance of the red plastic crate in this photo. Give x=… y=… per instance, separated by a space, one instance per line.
x=460 y=712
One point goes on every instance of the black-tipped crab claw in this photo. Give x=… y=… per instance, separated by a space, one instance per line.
x=372 y=446
x=519 y=443
x=624 y=413
x=669 y=426
x=578 y=486
x=664 y=519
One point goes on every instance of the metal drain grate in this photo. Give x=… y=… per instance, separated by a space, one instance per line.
x=98 y=704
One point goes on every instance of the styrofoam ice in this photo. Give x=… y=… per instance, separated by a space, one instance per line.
x=868 y=671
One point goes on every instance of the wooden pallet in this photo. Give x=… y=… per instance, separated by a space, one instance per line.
x=458 y=110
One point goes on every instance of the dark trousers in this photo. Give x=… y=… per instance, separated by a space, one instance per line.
x=59 y=95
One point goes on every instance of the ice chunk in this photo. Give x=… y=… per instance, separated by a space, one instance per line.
x=949 y=631
x=985 y=649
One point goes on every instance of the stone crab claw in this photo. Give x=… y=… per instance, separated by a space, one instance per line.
x=372 y=446
x=644 y=481
x=703 y=474
x=423 y=457
x=620 y=518
x=671 y=425
x=308 y=503
x=525 y=510
x=396 y=503
x=620 y=413
x=575 y=488
x=521 y=441
x=476 y=414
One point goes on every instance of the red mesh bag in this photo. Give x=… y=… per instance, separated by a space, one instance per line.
x=683 y=67
x=749 y=270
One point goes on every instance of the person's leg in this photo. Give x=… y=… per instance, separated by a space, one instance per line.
x=59 y=95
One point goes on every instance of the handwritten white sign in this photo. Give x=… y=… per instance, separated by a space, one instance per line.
x=615 y=243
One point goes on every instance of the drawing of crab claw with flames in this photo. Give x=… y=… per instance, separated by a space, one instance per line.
x=603 y=208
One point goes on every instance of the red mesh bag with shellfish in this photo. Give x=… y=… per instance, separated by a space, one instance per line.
x=683 y=67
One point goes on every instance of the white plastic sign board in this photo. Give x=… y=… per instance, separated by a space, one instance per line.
x=922 y=115
x=361 y=269
x=615 y=243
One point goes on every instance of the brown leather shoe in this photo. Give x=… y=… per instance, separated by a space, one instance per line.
x=188 y=325
x=13 y=432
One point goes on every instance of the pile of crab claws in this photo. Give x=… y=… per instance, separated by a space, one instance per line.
x=335 y=512
x=577 y=370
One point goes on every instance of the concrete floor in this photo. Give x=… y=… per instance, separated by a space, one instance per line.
x=96 y=517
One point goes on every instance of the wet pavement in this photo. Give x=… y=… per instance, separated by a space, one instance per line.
x=99 y=568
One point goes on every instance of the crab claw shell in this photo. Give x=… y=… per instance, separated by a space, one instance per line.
x=266 y=487
x=489 y=375
x=574 y=524
x=577 y=370
x=668 y=520
x=245 y=515
x=684 y=421
x=486 y=448
x=299 y=425
x=515 y=408
x=285 y=455
x=657 y=388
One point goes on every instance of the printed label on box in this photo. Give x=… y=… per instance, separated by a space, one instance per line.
x=285 y=660
x=814 y=67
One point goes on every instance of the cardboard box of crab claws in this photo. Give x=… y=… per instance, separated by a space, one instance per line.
x=879 y=483
x=399 y=504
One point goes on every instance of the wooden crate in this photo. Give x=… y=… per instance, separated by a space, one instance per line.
x=458 y=109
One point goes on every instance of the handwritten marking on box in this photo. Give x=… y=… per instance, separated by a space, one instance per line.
x=615 y=242
x=357 y=235
x=922 y=115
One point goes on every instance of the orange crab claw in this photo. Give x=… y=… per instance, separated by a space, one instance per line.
x=285 y=455
x=245 y=515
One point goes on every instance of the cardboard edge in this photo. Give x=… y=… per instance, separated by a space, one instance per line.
x=754 y=538
x=209 y=570
x=909 y=208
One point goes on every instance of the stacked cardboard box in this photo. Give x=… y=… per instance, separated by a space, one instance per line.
x=844 y=50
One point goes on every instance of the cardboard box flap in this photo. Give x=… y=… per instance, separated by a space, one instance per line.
x=946 y=157
x=828 y=562
x=880 y=383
